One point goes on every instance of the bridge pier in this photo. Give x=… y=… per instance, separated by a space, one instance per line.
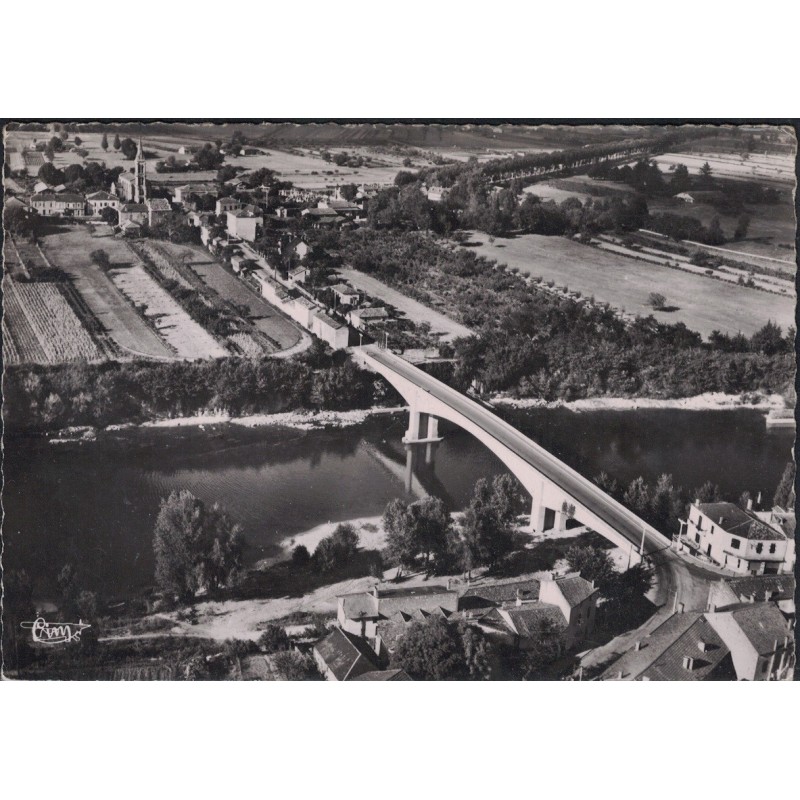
x=423 y=428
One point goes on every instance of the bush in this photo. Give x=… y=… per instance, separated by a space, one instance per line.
x=274 y=639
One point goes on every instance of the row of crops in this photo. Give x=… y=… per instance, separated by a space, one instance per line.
x=42 y=326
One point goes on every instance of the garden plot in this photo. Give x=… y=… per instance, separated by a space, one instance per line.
x=43 y=327
x=754 y=166
x=174 y=325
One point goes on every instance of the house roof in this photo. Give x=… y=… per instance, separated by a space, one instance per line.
x=342 y=652
x=330 y=321
x=737 y=521
x=754 y=588
x=134 y=208
x=158 y=204
x=343 y=288
x=129 y=223
x=64 y=197
x=762 y=624
x=371 y=313
x=575 y=589
x=527 y=619
x=359 y=605
x=497 y=592
x=661 y=654
x=101 y=195
x=384 y=675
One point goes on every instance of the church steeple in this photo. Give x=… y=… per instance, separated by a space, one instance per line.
x=140 y=185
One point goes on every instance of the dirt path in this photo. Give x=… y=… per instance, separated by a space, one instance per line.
x=415 y=311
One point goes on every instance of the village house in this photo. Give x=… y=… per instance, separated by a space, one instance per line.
x=133 y=212
x=180 y=194
x=735 y=539
x=685 y=196
x=343 y=656
x=158 y=210
x=330 y=330
x=97 y=201
x=50 y=204
x=361 y=318
x=298 y=275
x=244 y=222
x=382 y=615
x=199 y=218
x=728 y=593
x=301 y=309
x=345 y=295
x=384 y=675
x=761 y=641
x=566 y=605
x=225 y=204
x=436 y=194
x=685 y=647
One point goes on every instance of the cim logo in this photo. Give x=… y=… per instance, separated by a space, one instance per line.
x=44 y=632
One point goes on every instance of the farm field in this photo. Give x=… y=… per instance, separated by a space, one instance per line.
x=702 y=303
x=757 y=166
x=188 y=339
x=546 y=190
x=42 y=327
x=265 y=317
x=770 y=234
x=69 y=249
x=414 y=310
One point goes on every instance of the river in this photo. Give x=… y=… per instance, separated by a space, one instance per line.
x=94 y=504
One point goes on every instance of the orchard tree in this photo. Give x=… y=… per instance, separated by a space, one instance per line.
x=274 y=638
x=117 y=143
x=656 y=300
x=741 y=227
x=104 y=142
x=196 y=546
x=593 y=563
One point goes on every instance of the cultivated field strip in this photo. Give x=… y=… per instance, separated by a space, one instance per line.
x=44 y=327
x=189 y=339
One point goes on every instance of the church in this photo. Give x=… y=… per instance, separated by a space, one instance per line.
x=132 y=186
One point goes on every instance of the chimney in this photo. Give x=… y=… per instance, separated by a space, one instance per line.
x=619 y=675
x=704 y=647
x=720 y=522
x=688 y=663
x=519 y=598
x=680 y=608
x=375 y=590
x=749 y=503
x=638 y=645
x=758 y=500
x=712 y=607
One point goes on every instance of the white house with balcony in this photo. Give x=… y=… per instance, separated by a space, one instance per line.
x=736 y=539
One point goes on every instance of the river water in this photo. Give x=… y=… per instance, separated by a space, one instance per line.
x=94 y=504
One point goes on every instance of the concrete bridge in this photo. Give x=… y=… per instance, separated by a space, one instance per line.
x=558 y=492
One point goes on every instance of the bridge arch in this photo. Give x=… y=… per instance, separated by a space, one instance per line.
x=548 y=491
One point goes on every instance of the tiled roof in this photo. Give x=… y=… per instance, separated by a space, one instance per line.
x=134 y=208
x=101 y=196
x=498 y=592
x=699 y=642
x=735 y=520
x=654 y=650
x=762 y=587
x=359 y=605
x=762 y=624
x=158 y=204
x=342 y=651
x=384 y=675
x=58 y=198
x=575 y=589
x=330 y=321
x=343 y=288
x=525 y=620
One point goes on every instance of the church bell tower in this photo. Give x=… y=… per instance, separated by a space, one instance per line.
x=140 y=185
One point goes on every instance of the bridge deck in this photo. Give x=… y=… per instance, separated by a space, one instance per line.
x=624 y=521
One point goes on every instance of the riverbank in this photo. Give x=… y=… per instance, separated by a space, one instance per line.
x=710 y=401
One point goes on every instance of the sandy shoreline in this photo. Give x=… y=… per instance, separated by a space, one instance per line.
x=300 y=420
x=710 y=401
x=371 y=534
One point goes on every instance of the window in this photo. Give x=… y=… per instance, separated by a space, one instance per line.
x=697 y=537
x=772 y=547
x=735 y=544
x=759 y=547
x=699 y=523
